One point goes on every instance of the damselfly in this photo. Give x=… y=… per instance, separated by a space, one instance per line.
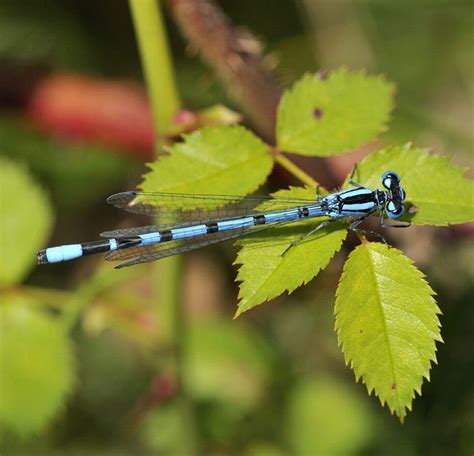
x=187 y=221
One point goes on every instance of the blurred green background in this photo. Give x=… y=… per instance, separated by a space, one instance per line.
x=88 y=359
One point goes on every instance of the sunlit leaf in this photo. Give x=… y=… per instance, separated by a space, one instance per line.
x=214 y=160
x=387 y=323
x=438 y=189
x=266 y=273
x=327 y=116
x=26 y=218
x=326 y=417
x=36 y=364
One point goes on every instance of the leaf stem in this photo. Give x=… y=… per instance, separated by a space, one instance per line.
x=294 y=170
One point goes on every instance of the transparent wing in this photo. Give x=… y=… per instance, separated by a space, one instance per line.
x=147 y=253
x=124 y=232
x=173 y=208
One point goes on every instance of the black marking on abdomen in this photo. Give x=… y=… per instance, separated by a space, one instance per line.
x=166 y=235
x=89 y=248
x=126 y=242
x=41 y=257
x=212 y=227
x=303 y=212
x=259 y=219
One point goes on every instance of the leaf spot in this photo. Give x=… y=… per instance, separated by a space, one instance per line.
x=323 y=74
x=318 y=113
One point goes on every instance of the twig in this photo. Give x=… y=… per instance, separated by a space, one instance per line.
x=294 y=170
x=235 y=56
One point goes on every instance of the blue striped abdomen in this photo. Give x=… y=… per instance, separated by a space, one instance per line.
x=227 y=225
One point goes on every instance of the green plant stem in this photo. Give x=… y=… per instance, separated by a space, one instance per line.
x=160 y=79
x=156 y=62
x=294 y=170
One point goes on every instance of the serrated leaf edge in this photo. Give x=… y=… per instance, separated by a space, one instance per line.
x=287 y=290
x=426 y=375
x=424 y=153
x=152 y=166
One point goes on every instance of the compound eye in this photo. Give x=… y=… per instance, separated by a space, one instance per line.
x=389 y=179
x=393 y=211
x=402 y=194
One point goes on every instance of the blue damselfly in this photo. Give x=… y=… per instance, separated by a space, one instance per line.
x=188 y=221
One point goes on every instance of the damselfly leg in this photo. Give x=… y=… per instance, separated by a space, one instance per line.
x=353 y=227
x=307 y=235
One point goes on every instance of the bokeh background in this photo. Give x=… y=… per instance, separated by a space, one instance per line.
x=117 y=378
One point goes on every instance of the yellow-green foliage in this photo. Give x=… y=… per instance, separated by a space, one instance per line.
x=387 y=323
x=266 y=273
x=438 y=190
x=320 y=116
x=213 y=160
x=36 y=365
x=26 y=218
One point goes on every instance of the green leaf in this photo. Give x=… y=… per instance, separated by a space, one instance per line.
x=36 y=364
x=26 y=219
x=343 y=423
x=438 y=189
x=387 y=323
x=214 y=160
x=265 y=273
x=322 y=117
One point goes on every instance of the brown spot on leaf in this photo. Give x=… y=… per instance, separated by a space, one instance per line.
x=412 y=210
x=318 y=113
x=393 y=386
x=323 y=74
